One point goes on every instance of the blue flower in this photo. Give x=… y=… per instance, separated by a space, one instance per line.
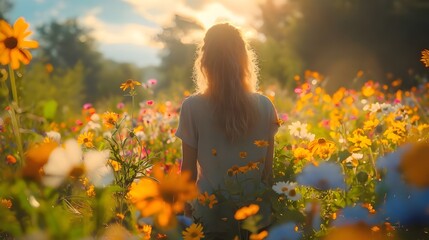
x=324 y=177
x=354 y=215
x=284 y=231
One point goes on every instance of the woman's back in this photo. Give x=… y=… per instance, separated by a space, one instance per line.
x=232 y=171
x=215 y=153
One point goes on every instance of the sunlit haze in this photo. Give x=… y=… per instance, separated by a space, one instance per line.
x=125 y=30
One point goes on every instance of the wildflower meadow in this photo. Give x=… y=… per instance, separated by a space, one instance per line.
x=351 y=164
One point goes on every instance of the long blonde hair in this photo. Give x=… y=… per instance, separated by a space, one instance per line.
x=226 y=72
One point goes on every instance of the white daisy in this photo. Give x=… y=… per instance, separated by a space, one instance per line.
x=298 y=129
x=55 y=136
x=69 y=160
x=288 y=189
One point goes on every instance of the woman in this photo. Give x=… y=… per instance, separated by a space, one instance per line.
x=227 y=132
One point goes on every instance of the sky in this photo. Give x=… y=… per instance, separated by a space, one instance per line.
x=125 y=29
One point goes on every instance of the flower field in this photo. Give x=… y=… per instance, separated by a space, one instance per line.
x=353 y=164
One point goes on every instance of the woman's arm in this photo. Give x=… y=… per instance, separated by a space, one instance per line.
x=189 y=160
x=189 y=164
x=267 y=174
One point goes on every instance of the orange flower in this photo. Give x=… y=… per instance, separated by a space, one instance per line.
x=252 y=165
x=258 y=236
x=214 y=152
x=261 y=143
x=414 y=165
x=13 y=46
x=234 y=170
x=163 y=198
x=5 y=203
x=246 y=212
x=206 y=199
x=129 y=84
x=243 y=154
x=353 y=232
x=146 y=230
x=10 y=159
x=425 y=57
x=36 y=157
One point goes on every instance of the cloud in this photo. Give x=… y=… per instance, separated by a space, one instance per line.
x=128 y=33
x=240 y=12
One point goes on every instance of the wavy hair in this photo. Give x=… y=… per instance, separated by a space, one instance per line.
x=225 y=71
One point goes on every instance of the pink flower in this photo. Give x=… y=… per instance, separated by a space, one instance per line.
x=284 y=117
x=120 y=105
x=79 y=122
x=149 y=102
x=152 y=81
x=87 y=106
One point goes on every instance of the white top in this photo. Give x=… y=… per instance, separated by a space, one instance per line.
x=215 y=154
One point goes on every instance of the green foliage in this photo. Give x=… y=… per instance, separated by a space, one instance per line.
x=54 y=95
x=80 y=48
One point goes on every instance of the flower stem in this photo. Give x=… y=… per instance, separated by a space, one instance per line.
x=14 y=116
x=13 y=85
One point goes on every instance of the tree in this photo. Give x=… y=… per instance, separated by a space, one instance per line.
x=5 y=7
x=178 y=55
x=65 y=44
x=340 y=37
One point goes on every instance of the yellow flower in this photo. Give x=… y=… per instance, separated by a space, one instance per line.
x=368 y=90
x=359 y=141
x=13 y=46
x=315 y=145
x=206 y=199
x=147 y=231
x=325 y=152
x=370 y=124
x=86 y=139
x=301 y=154
x=115 y=165
x=90 y=192
x=163 y=198
x=110 y=119
x=261 y=143
x=246 y=212
x=193 y=232
x=425 y=57
x=414 y=165
x=129 y=84
x=258 y=236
